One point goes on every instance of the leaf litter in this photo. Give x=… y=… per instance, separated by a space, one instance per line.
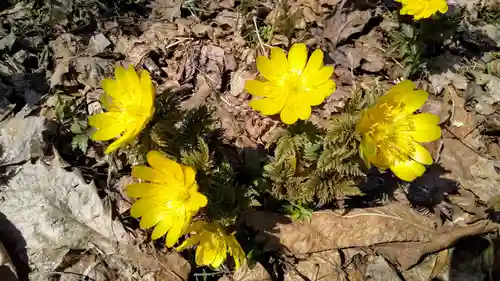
x=204 y=51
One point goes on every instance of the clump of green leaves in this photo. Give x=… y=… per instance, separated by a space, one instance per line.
x=301 y=212
x=313 y=165
x=413 y=44
x=217 y=180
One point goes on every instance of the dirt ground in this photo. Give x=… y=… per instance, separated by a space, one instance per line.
x=63 y=211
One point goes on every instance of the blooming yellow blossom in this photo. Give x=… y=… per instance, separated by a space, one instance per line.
x=421 y=9
x=168 y=200
x=290 y=85
x=129 y=101
x=391 y=132
x=214 y=244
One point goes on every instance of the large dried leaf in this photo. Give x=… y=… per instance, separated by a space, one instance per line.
x=396 y=231
x=55 y=211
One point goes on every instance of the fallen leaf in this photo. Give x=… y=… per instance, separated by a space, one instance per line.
x=321 y=266
x=166 y=9
x=246 y=273
x=441 y=80
x=98 y=43
x=21 y=139
x=485 y=102
x=341 y=26
x=396 y=231
x=55 y=211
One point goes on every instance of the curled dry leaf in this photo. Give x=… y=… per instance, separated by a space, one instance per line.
x=396 y=231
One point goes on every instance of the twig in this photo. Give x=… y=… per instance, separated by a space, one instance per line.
x=468 y=145
x=261 y=44
x=85 y=277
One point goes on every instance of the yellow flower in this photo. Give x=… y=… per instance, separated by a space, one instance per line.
x=290 y=85
x=168 y=200
x=420 y=9
x=129 y=101
x=214 y=244
x=391 y=132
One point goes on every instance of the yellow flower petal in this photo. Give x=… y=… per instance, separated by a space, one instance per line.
x=266 y=69
x=190 y=242
x=171 y=170
x=189 y=176
x=289 y=115
x=126 y=138
x=297 y=58
x=198 y=200
x=314 y=64
x=176 y=231
x=408 y=170
x=161 y=228
x=423 y=120
x=200 y=254
x=420 y=154
x=111 y=88
x=404 y=93
x=368 y=148
x=220 y=254
x=259 y=88
x=107 y=133
x=142 y=206
x=320 y=93
x=303 y=111
x=148 y=174
x=267 y=106
x=152 y=217
x=323 y=75
x=431 y=133
x=279 y=60
x=136 y=190
x=107 y=119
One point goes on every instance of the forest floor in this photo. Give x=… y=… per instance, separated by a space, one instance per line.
x=68 y=218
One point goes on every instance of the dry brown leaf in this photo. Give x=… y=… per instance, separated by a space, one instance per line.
x=470 y=169
x=166 y=9
x=461 y=121
x=342 y=25
x=245 y=273
x=397 y=231
x=211 y=65
x=321 y=266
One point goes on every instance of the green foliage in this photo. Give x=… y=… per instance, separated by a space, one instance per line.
x=311 y=165
x=413 y=44
x=174 y=130
x=299 y=212
x=81 y=138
